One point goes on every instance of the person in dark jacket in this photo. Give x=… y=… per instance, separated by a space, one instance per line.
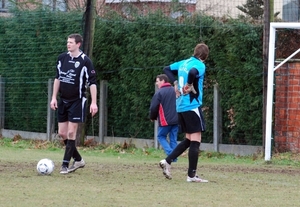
x=163 y=109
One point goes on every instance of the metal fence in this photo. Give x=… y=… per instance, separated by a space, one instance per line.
x=285 y=10
x=102 y=136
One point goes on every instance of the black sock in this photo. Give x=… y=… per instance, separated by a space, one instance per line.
x=68 y=152
x=76 y=156
x=193 y=158
x=179 y=149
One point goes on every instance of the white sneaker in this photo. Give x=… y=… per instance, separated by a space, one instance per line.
x=166 y=169
x=76 y=165
x=63 y=170
x=196 y=179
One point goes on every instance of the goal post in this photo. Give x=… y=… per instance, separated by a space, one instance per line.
x=271 y=70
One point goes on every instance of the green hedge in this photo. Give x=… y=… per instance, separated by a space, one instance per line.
x=129 y=55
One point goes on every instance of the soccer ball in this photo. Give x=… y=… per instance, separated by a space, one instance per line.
x=45 y=166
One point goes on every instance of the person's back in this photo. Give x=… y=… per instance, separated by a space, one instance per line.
x=189 y=92
x=193 y=100
x=166 y=113
x=163 y=109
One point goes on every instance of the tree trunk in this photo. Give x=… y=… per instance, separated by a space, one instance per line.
x=88 y=39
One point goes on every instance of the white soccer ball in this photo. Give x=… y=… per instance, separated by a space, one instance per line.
x=45 y=166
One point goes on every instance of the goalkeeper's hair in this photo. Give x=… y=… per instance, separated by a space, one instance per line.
x=163 y=77
x=201 y=51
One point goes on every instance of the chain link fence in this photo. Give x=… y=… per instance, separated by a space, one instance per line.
x=30 y=39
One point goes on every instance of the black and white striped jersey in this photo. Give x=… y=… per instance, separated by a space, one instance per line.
x=74 y=74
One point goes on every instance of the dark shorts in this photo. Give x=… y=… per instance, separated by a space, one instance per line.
x=191 y=121
x=73 y=111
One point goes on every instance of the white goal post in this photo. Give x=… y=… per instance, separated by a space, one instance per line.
x=271 y=70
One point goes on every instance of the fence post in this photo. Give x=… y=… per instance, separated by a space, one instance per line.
x=2 y=105
x=50 y=112
x=217 y=119
x=155 y=134
x=156 y=144
x=102 y=111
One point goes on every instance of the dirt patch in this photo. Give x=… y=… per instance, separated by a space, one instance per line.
x=19 y=167
x=261 y=169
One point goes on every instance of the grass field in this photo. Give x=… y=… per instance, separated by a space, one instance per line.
x=119 y=177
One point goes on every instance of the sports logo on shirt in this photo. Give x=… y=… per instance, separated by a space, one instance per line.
x=77 y=63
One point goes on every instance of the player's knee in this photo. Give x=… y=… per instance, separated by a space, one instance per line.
x=71 y=135
x=194 y=146
x=63 y=135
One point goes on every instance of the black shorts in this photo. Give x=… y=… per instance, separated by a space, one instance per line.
x=73 y=111
x=191 y=121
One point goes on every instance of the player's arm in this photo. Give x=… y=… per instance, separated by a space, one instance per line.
x=93 y=107
x=92 y=82
x=154 y=107
x=192 y=75
x=170 y=73
x=56 y=83
x=53 y=103
x=93 y=90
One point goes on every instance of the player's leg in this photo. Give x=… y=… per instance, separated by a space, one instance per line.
x=183 y=145
x=165 y=164
x=196 y=126
x=63 y=130
x=62 y=117
x=193 y=153
x=70 y=147
x=179 y=149
x=77 y=115
x=63 y=133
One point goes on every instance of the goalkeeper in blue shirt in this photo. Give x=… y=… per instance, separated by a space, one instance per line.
x=189 y=92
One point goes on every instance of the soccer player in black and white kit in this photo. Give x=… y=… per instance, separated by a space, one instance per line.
x=74 y=72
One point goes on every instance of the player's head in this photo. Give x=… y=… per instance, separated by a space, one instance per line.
x=77 y=37
x=74 y=42
x=201 y=51
x=161 y=79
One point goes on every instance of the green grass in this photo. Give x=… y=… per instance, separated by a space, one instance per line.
x=130 y=177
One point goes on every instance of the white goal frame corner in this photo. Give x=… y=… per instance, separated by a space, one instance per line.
x=271 y=70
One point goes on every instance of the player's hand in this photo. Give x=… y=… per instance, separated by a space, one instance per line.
x=188 y=88
x=53 y=104
x=176 y=89
x=93 y=109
